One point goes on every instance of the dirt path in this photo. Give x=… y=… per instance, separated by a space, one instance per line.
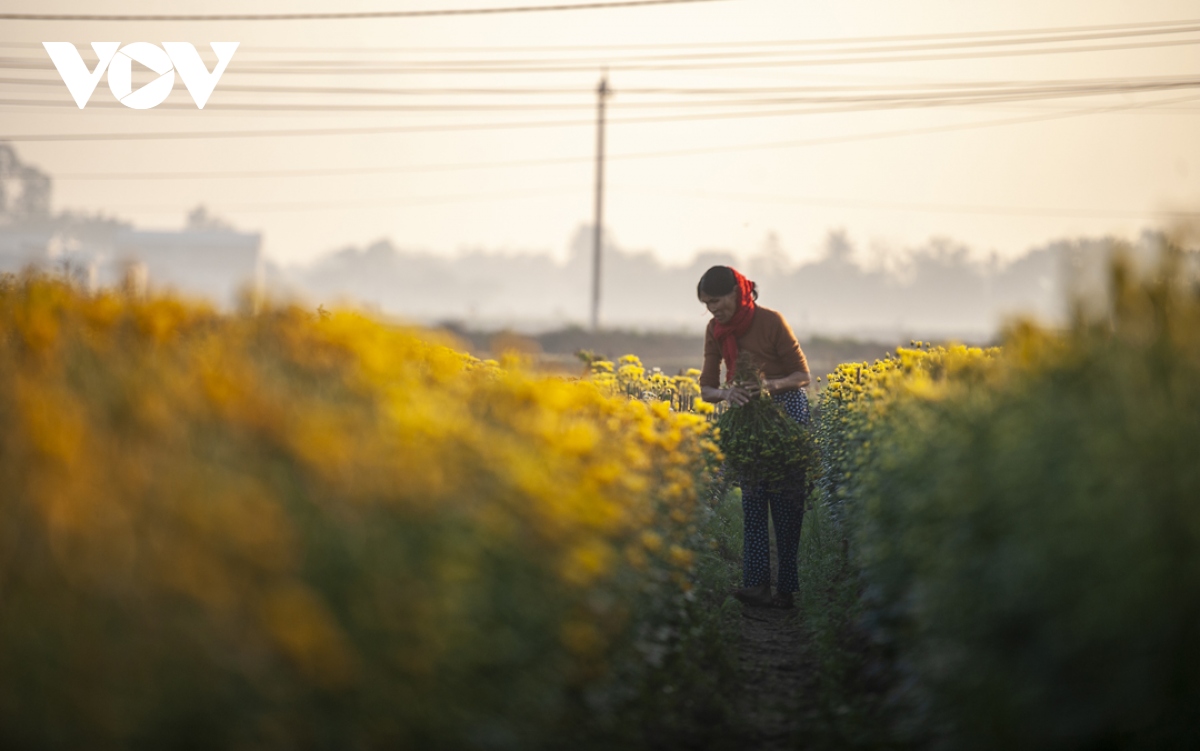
x=778 y=697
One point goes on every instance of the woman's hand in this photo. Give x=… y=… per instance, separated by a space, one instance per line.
x=799 y=379
x=739 y=394
x=736 y=395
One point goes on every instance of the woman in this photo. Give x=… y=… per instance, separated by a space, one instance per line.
x=740 y=325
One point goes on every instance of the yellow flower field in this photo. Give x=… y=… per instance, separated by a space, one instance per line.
x=277 y=529
x=1009 y=538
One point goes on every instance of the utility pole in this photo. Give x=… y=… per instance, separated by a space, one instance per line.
x=602 y=92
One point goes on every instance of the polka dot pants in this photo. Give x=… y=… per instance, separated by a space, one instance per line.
x=786 y=512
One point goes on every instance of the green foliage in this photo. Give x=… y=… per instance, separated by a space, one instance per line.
x=856 y=671
x=761 y=443
x=298 y=531
x=684 y=679
x=1023 y=529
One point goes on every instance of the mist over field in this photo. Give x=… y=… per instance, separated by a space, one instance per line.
x=939 y=289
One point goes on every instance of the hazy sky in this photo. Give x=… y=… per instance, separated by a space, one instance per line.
x=1076 y=165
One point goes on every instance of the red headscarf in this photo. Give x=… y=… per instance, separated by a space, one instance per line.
x=727 y=334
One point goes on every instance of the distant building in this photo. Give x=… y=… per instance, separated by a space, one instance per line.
x=20 y=247
x=217 y=264
x=208 y=258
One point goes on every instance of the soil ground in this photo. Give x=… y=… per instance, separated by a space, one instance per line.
x=778 y=697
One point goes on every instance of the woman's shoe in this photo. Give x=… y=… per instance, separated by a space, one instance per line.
x=782 y=601
x=759 y=597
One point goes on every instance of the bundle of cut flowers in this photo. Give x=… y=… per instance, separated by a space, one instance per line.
x=761 y=443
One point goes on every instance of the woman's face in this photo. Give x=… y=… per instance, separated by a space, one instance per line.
x=722 y=307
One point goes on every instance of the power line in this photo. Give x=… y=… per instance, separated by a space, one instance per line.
x=389 y=91
x=751 y=43
x=856 y=49
x=343 y=107
x=333 y=172
x=383 y=130
x=592 y=65
x=416 y=201
x=1085 y=87
x=828 y=141
x=398 y=202
x=935 y=208
x=705 y=61
x=908 y=95
x=919 y=207
x=350 y=16
x=874 y=49
x=627 y=91
x=708 y=45
x=930 y=130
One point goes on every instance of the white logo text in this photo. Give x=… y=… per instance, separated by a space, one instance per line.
x=118 y=60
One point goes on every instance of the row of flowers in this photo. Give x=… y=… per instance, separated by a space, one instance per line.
x=287 y=528
x=1003 y=543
